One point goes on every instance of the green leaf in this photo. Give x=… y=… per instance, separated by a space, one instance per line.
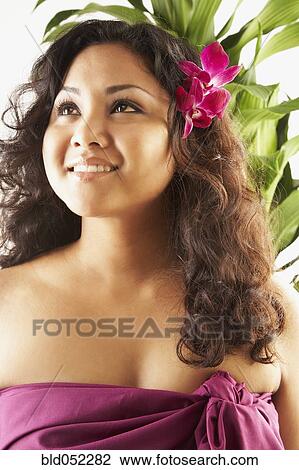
x=257 y=144
x=271 y=168
x=251 y=118
x=282 y=130
x=162 y=23
x=138 y=4
x=290 y=147
x=228 y=24
x=201 y=26
x=285 y=221
x=246 y=77
x=275 y=13
x=174 y=14
x=130 y=15
x=163 y=10
x=181 y=15
x=285 y=185
x=38 y=4
x=58 y=18
x=285 y=39
x=281 y=158
x=262 y=92
x=230 y=42
x=59 y=31
x=286 y=106
x=258 y=43
x=265 y=138
x=254 y=96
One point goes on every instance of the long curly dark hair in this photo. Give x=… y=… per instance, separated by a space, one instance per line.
x=219 y=227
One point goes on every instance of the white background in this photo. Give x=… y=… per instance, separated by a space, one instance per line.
x=21 y=33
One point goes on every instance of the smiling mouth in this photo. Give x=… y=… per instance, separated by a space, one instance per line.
x=86 y=176
x=92 y=169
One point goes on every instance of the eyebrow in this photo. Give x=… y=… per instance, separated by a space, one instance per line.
x=108 y=91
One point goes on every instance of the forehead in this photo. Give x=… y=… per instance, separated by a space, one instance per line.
x=101 y=65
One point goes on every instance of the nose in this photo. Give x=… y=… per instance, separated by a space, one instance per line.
x=85 y=136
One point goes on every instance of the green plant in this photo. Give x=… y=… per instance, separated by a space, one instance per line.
x=263 y=120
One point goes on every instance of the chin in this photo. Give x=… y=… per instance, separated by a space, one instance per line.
x=89 y=211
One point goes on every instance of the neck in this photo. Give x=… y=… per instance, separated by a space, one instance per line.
x=132 y=247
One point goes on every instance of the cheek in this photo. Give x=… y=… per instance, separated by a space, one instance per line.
x=53 y=153
x=54 y=147
x=152 y=165
x=154 y=153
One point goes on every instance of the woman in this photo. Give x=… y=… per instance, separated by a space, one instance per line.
x=125 y=206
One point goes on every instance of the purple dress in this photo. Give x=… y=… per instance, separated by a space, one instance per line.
x=220 y=414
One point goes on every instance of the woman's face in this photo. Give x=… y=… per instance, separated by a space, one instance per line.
x=95 y=120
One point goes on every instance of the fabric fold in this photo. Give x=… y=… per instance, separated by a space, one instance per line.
x=235 y=418
x=220 y=414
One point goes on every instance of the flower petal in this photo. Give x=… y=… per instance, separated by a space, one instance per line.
x=188 y=126
x=184 y=101
x=202 y=120
x=228 y=96
x=204 y=76
x=189 y=68
x=196 y=90
x=214 y=59
x=187 y=83
x=215 y=102
x=226 y=76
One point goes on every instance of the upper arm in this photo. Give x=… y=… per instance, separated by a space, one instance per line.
x=286 y=399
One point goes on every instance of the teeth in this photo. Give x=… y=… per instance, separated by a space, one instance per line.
x=80 y=168
x=92 y=168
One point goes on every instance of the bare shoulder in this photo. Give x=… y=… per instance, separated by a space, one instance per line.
x=271 y=377
x=15 y=288
x=11 y=281
x=289 y=297
x=8 y=276
x=286 y=398
x=22 y=283
x=287 y=343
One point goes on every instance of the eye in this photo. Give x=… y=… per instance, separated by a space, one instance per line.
x=65 y=105
x=62 y=106
x=126 y=103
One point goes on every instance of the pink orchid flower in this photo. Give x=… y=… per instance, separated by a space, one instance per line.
x=199 y=109
x=204 y=99
x=214 y=61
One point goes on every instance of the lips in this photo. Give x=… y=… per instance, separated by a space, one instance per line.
x=85 y=177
